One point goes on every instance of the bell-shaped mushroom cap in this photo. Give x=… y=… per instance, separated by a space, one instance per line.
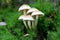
x=24 y=7
x=37 y=13
x=26 y=17
x=21 y=17
x=32 y=10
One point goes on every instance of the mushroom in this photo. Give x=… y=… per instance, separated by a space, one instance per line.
x=27 y=18
x=24 y=8
x=21 y=18
x=30 y=12
x=2 y=24
x=37 y=14
x=26 y=35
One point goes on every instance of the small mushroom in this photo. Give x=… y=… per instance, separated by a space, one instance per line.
x=2 y=24
x=27 y=18
x=37 y=14
x=21 y=18
x=26 y=35
x=24 y=8
x=30 y=12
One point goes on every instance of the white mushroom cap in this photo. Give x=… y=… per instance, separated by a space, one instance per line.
x=26 y=35
x=24 y=7
x=32 y=10
x=37 y=13
x=2 y=24
x=21 y=17
x=26 y=17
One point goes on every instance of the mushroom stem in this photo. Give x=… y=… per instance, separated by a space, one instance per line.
x=23 y=20
x=29 y=24
x=24 y=12
x=36 y=21
x=25 y=23
x=33 y=24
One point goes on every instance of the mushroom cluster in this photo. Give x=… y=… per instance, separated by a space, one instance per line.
x=30 y=16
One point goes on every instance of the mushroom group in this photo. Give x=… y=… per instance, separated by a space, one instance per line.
x=30 y=16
